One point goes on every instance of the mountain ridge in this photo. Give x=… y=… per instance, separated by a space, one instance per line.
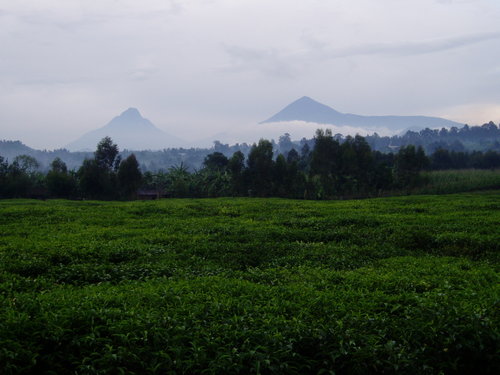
x=309 y=110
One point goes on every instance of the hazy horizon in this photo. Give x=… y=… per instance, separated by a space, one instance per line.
x=199 y=68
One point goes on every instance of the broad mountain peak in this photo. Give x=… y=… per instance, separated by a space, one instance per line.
x=130 y=131
x=309 y=110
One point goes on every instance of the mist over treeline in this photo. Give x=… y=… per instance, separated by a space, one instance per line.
x=466 y=139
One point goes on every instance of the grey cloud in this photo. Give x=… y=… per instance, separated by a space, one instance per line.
x=411 y=48
x=455 y=1
x=89 y=18
x=288 y=64
x=268 y=62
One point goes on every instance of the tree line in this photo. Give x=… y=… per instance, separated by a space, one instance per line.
x=331 y=168
x=466 y=139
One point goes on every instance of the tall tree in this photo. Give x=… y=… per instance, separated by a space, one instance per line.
x=285 y=143
x=98 y=175
x=216 y=161
x=236 y=168
x=4 y=175
x=280 y=177
x=325 y=163
x=179 y=181
x=106 y=154
x=60 y=183
x=408 y=163
x=260 y=168
x=129 y=177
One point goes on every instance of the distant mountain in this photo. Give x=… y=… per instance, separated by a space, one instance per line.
x=309 y=110
x=129 y=131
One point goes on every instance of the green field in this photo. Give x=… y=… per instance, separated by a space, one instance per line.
x=388 y=285
x=456 y=181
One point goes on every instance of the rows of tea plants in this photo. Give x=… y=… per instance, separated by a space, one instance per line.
x=393 y=285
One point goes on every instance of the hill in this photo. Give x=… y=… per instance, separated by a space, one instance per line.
x=309 y=110
x=130 y=131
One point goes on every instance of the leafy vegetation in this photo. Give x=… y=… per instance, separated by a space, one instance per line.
x=246 y=285
x=335 y=167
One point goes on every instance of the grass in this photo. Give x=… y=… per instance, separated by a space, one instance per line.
x=393 y=285
x=455 y=181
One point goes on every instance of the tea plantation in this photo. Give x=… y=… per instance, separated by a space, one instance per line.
x=405 y=285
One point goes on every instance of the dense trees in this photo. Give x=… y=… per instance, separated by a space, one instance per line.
x=259 y=170
x=466 y=139
x=408 y=163
x=60 y=183
x=445 y=159
x=21 y=178
x=129 y=177
x=329 y=167
x=106 y=176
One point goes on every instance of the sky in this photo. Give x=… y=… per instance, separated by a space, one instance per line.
x=199 y=68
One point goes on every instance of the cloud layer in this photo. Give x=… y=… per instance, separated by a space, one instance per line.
x=202 y=67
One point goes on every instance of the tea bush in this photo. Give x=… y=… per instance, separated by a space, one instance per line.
x=265 y=286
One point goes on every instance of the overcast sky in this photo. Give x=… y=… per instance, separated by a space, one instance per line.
x=200 y=67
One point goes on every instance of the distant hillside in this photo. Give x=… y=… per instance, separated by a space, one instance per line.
x=130 y=131
x=466 y=138
x=309 y=110
x=10 y=149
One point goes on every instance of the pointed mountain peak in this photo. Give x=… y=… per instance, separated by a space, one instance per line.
x=305 y=99
x=132 y=113
x=305 y=109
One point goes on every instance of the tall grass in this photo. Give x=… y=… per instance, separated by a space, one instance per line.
x=456 y=181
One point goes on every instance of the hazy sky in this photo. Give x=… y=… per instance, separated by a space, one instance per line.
x=200 y=67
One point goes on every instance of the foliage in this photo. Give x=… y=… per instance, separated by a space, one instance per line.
x=408 y=163
x=106 y=154
x=129 y=176
x=61 y=183
x=334 y=168
x=260 y=168
x=387 y=285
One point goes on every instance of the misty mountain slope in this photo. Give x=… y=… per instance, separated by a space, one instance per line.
x=130 y=131
x=309 y=110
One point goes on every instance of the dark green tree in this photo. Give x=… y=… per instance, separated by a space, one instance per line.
x=106 y=154
x=4 y=175
x=179 y=181
x=97 y=176
x=94 y=180
x=26 y=163
x=292 y=156
x=129 y=177
x=280 y=177
x=23 y=177
x=325 y=164
x=408 y=163
x=216 y=161
x=236 y=169
x=60 y=183
x=260 y=168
